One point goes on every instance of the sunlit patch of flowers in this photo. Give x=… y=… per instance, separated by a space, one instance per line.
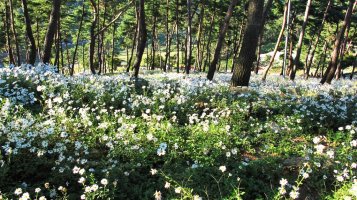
x=85 y=135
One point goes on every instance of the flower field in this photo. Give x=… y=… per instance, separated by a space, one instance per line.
x=167 y=136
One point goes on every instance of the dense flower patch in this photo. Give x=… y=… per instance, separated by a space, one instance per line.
x=173 y=137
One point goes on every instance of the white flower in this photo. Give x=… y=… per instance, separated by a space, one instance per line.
x=167 y=185
x=42 y=198
x=223 y=168
x=81 y=171
x=75 y=170
x=153 y=171
x=353 y=189
x=94 y=187
x=81 y=180
x=282 y=190
x=340 y=178
x=87 y=189
x=330 y=153
x=26 y=195
x=347 y=198
x=319 y=148
x=294 y=194
x=37 y=190
x=305 y=175
x=178 y=190
x=196 y=197
x=157 y=195
x=83 y=196
x=150 y=136
x=104 y=181
x=18 y=191
x=283 y=182
x=316 y=140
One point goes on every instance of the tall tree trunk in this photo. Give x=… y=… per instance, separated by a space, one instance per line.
x=12 y=20
x=237 y=45
x=266 y=11
x=83 y=55
x=331 y=69
x=316 y=42
x=38 y=38
x=344 y=49
x=277 y=43
x=57 y=44
x=132 y=50
x=167 y=53
x=247 y=55
x=101 y=51
x=322 y=59
x=290 y=37
x=77 y=41
x=177 y=38
x=113 y=46
x=32 y=53
x=208 y=55
x=353 y=69
x=7 y=33
x=222 y=34
x=299 y=45
x=141 y=37
x=153 y=39
x=199 y=36
x=51 y=31
x=227 y=55
x=61 y=48
x=92 y=36
x=189 y=38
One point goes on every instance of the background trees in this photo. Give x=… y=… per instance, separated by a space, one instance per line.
x=181 y=35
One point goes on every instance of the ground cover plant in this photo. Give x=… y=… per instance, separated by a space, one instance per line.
x=171 y=136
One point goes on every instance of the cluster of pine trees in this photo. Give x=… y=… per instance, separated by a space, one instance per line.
x=182 y=35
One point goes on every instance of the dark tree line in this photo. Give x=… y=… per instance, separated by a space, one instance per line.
x=195 y=35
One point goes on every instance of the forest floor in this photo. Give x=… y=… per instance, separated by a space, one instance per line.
x=171 y=136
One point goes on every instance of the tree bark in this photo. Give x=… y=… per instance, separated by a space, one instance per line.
x=331 y=69
x=57 y=44
x=199 y=36
x=316 y=42
x=265 y=16
x=32 y=53
x=208 y=55
x=51 y=31
x=353 y=69
x=113 y=46
x=277 y=43
x=92 y=36
x=12 y=20
x=189 y=38
x=132 y=50
x=177 y=37
x=141 y=37
x=344 y=49
x=222 y=34
x=238 y=45
x=322 y=59
x=7 y=33
x=299 y=45
x=153 y=38
x=78 y=35
x=247 y=55
x=168 y=38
